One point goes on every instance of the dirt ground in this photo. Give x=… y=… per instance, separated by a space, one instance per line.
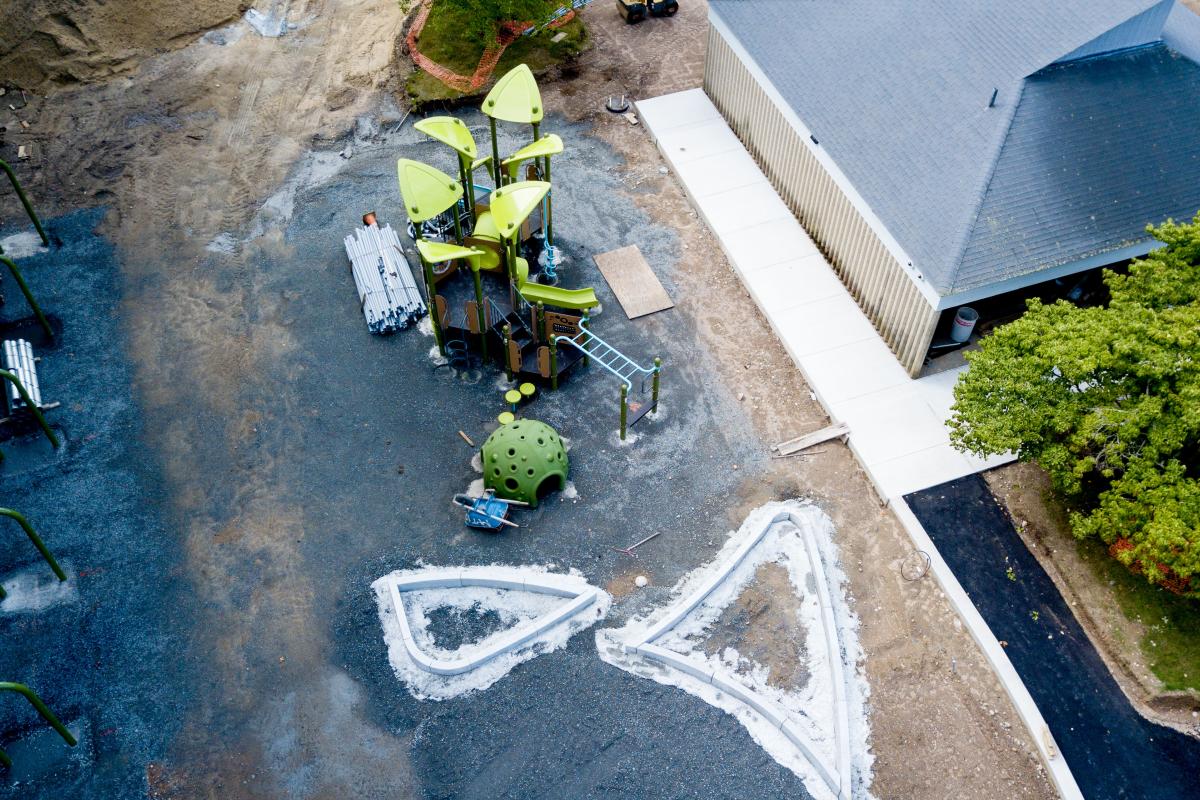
x=188 y=146
x=1023 y=489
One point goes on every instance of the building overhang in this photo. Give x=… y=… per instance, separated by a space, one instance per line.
x=1041 y=276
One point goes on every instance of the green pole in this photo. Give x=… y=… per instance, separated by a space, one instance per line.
x=37 y=540
x=582 y=323
x=496 y=172
x=37 y=412
x=457 y=224
x=512 y=258
x=479 y=307
x=507 y=363
x=624 y=409
x=535 y=132
x=553 y=362
x=468 y=187
x=431 y=297
x=47 y=714
x=541 y=321
x=37 y=310
x=25 y=202
x=654 y=389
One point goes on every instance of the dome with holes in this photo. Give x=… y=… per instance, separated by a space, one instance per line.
x=525 y=460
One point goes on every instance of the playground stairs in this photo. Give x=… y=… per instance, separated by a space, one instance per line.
x=528 y=346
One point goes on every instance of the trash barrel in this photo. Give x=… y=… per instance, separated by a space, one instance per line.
x=964 y=322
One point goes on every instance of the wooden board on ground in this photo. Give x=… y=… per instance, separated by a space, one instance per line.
x=793 y=446
x=633 y=282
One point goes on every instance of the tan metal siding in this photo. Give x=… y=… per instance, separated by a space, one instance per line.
x=901 y=314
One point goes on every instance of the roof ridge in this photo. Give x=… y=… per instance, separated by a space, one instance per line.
x=1148 y=4
x=977 y=203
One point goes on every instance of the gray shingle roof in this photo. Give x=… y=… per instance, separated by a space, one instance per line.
x=1097 y=149
x=897 y=93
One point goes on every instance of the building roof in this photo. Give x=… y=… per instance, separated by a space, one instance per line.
x=1073 y=159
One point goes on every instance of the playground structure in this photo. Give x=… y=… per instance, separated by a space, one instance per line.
x=503 y=238
x=524 y=460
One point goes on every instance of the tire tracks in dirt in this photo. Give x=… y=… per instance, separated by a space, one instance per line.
x=209 y=343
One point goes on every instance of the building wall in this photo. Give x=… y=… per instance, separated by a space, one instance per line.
x=902 y=314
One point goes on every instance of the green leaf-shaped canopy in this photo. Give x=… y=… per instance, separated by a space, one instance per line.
x=426 y=191
x=514 y=202
x=515 y=97
x=549 y=145
x=437 y=252
x=449 y=130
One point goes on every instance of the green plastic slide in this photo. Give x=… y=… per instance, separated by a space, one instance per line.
x=575 y=299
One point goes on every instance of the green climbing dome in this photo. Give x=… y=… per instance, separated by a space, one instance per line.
x=524 y=459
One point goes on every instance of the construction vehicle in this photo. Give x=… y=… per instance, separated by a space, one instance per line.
x=634 y=12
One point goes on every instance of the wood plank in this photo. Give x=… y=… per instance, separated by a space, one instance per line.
x=809 y=439
x=633 y=282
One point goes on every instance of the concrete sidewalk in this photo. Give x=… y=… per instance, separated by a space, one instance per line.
x=897 y=424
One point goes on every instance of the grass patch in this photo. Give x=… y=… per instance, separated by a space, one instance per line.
x=1171 y=645
x=444 y=40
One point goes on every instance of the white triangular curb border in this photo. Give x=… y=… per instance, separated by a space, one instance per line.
x=580 y=593
x=837 y=776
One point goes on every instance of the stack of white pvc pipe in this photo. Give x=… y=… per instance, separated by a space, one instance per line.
x=387 y=293
x=18 y=359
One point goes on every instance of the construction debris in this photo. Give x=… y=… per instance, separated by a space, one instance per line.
x=809 y=439
x=387 y=292
x=18 y=359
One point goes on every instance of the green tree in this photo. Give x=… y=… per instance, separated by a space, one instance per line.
x=481 y=18
x=1107 y=401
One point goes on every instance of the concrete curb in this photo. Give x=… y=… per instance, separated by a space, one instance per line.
x=1056 y=765
x=581 y=593
x=837 y=778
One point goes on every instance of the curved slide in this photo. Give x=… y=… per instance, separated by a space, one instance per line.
x=574 y=299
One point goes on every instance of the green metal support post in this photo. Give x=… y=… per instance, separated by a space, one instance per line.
x=553 y=362
x=507 y=364
x=654 y=389
x=481 y=316
x=430 y=300
x=37 y=542
x=37 y=223
x=496 y=171
x=583 y=324
x=41 y=708
x=37 y=310
x=624 y=409
x=466 y=178
x=458 y=238
x=37 y=412
x=541 y=321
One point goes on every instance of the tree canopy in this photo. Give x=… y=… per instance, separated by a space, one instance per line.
x=1107 y=401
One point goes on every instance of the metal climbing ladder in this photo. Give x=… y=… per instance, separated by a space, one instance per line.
x=621 y=365
x=609 y=357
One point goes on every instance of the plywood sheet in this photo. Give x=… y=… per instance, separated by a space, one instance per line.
x=633 y=282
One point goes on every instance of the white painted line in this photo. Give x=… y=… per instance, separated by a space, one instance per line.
x=1027 y=710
